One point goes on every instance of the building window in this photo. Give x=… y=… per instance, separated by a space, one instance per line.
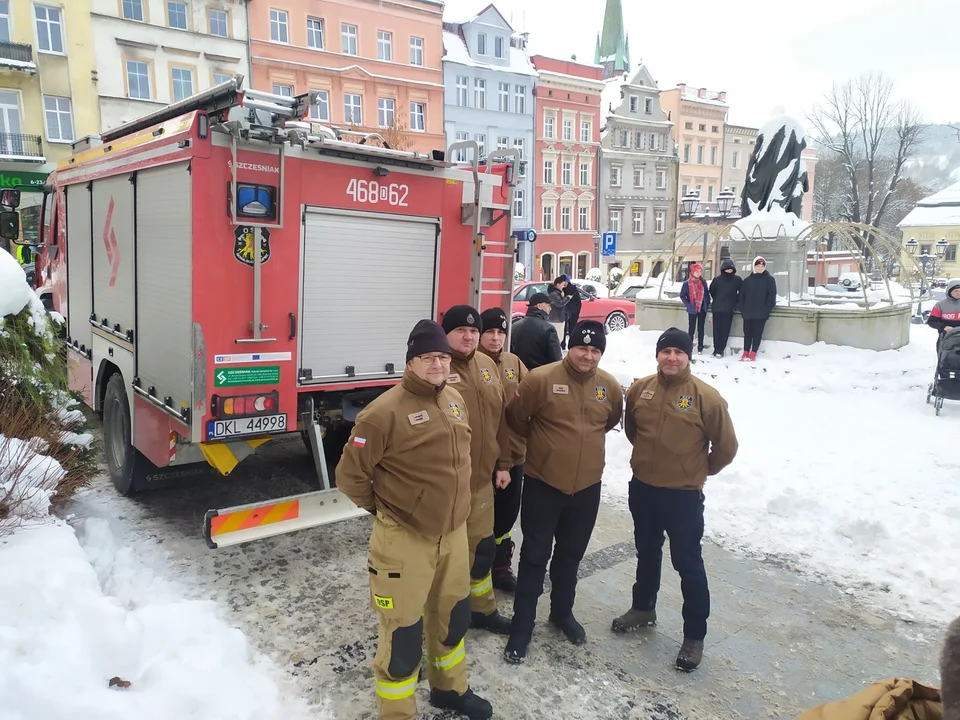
x=418 y=116
x=218 y=22
x=503 y=142
x=661 y=179
x=481 y=44
x=462 y=91
x=688 y=126
x=138 y=80
x=710 y=194
x=713 y=156
x=59 y=119
x=519 y=145
x=518 y=209
x=716 y=128
x=656 y=141
x=549 y=126
x=614 y=220
x=416 y=51
x=479 y=93
x=548 y=177
x=584 y=174
x=481 y=141
x=638 y=176
x=385 y=112
x=49 y=28
x=278 y=26
x=461 y=155
x=634 y=104
x=640 y=141
x=659 y=221
x=284 y=90
x=615 y=172
x=734 y=190
x=567 y=129
x=132 y=10
x=315 y=33
x=951 y=254
x=352 y=109
x=702 y=127
x=177 y=14
x=584 y=213
x=686 y=152
x=498 y=47
x=700 y=154
x=648 y=106
x=348 y=39
x=548 y=217
x=567 y=173
x=625 y=138
x=586 y=128
x=735 y=160
x=182 y=83
x=321 y=109
x=219 y=77
x=519 y=99
x=566 y=218
x=384 y=45
x=683 y=191
x=503 y=93
x=638 y=221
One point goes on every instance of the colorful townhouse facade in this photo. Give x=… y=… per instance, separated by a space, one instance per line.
x=567 y=128
x=376 y=65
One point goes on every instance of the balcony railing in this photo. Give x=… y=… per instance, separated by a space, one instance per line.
x=18 y=52
x=20 y=145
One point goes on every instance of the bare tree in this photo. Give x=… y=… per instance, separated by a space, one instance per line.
x=872 y=135
x=397 y=134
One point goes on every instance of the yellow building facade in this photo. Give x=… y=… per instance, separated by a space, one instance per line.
x=934 y=219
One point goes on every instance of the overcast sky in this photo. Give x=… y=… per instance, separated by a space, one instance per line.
x=761 y=56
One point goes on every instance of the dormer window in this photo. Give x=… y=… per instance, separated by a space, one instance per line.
x=481 y=44
x=634 y=103
x=499 y=48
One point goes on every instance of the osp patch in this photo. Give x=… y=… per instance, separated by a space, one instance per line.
x=456 y=411
x=245 y=242
x=510 y=374
x=486 y=375
x=684 y=402
x=601 y=393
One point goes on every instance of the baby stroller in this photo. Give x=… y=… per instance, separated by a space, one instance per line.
x=946 y=380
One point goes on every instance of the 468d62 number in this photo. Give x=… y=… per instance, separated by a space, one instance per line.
x=372 y=192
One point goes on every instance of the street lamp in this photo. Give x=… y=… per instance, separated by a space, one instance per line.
x=912 y=246
x=725 y=201
x=690 y=203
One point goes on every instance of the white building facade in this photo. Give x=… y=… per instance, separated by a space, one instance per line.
x=154 y=52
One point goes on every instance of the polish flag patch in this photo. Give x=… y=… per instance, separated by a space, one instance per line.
x=359 y=441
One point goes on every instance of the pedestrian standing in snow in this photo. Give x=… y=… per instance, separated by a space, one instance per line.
x=533 y=339
x=573 y=312
x=506 y=501
x=696 y=298
x=681 y=433
x=558 y=306
x=408 y=463
x=725 y=293
x=758 y=296
x=564 y=410
x=945 y=316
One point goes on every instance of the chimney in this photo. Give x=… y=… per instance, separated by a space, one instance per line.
x=722 y=96
x=702 y=93
x=683 y=88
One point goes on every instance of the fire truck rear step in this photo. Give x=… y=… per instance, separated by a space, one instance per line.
x=225 y=456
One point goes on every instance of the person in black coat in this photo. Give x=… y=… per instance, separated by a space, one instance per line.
x=758 y=295
x=725 y=291
x=573 y=311
x=558 y=305
x=533 y=339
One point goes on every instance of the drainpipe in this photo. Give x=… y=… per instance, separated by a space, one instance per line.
x=246 y=11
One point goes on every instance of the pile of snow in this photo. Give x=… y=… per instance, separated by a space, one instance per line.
x=768 y=225
x=843 y=469
x=14 y=291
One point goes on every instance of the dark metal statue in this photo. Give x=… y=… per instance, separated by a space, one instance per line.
x=775 y=174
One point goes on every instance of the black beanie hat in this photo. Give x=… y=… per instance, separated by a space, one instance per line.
x=493 y=319
x=538 y=298
x=589 y=333
x=675 y=338
x=427 y=337
x=461 y=316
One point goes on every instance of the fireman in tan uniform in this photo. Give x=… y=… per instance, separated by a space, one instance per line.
x=506 y=502
x=408 y=463
x=476 y=377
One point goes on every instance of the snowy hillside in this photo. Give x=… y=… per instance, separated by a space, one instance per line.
x=842 y=470
x=937 y=162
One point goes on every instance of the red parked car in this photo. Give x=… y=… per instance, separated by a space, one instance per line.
x=613 y=313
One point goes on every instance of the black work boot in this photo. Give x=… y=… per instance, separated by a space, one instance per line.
x=494 y=622
x=571 y=628
x=633 y=619
x=503 y=577
x=690 y=655
x=516 y=648
x=469 y=704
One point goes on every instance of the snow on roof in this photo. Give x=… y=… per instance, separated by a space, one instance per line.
x=610 y=96
x=455 y=51
x=942 y=208
x=712 y=98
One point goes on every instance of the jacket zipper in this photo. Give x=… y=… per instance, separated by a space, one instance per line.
x=662 y=418
x=456 y=459
x=576 y=478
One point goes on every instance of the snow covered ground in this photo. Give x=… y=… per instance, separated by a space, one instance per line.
x=843 y=470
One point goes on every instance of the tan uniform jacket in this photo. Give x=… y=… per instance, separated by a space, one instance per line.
x=512 y=371
x=409 y=457
x=565 y=415
x=477 y=379
x=680 y=430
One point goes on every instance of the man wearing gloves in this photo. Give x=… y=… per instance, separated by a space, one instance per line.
x=476 y=377
x=506 y=501
x=564 y=410
x=681 y=433
x=408 y=463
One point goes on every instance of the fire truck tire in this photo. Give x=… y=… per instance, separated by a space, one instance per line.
x=124 y=462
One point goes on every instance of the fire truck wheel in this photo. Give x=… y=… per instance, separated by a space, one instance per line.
x=122 y=458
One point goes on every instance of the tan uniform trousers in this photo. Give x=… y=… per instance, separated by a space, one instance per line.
x=418 y=587
x=483 y=548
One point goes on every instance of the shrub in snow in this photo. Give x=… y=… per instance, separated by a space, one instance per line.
x=42 y=458
x=614 y=277
x=595 y=275
x=519 y=272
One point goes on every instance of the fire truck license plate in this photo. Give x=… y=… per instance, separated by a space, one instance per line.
x=217 y=429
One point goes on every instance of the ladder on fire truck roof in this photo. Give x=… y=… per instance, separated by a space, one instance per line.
x=483 y=213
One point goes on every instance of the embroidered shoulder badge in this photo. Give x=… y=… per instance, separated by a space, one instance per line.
x=685 y=402
x=455 y=411
x=510 y=373
x=486 y=375
x=601 y=394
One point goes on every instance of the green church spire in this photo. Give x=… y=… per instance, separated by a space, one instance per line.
x=613 y=49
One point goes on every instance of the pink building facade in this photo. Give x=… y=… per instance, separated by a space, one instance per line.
x=567 y=125
x=376 y=65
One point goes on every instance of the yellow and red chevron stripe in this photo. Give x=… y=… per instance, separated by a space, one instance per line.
x=254 y=517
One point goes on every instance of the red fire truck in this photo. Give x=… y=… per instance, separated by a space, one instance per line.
x=231 y=273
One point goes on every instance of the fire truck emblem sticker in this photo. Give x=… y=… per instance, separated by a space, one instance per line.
x=244 y=242
x=110 y=244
